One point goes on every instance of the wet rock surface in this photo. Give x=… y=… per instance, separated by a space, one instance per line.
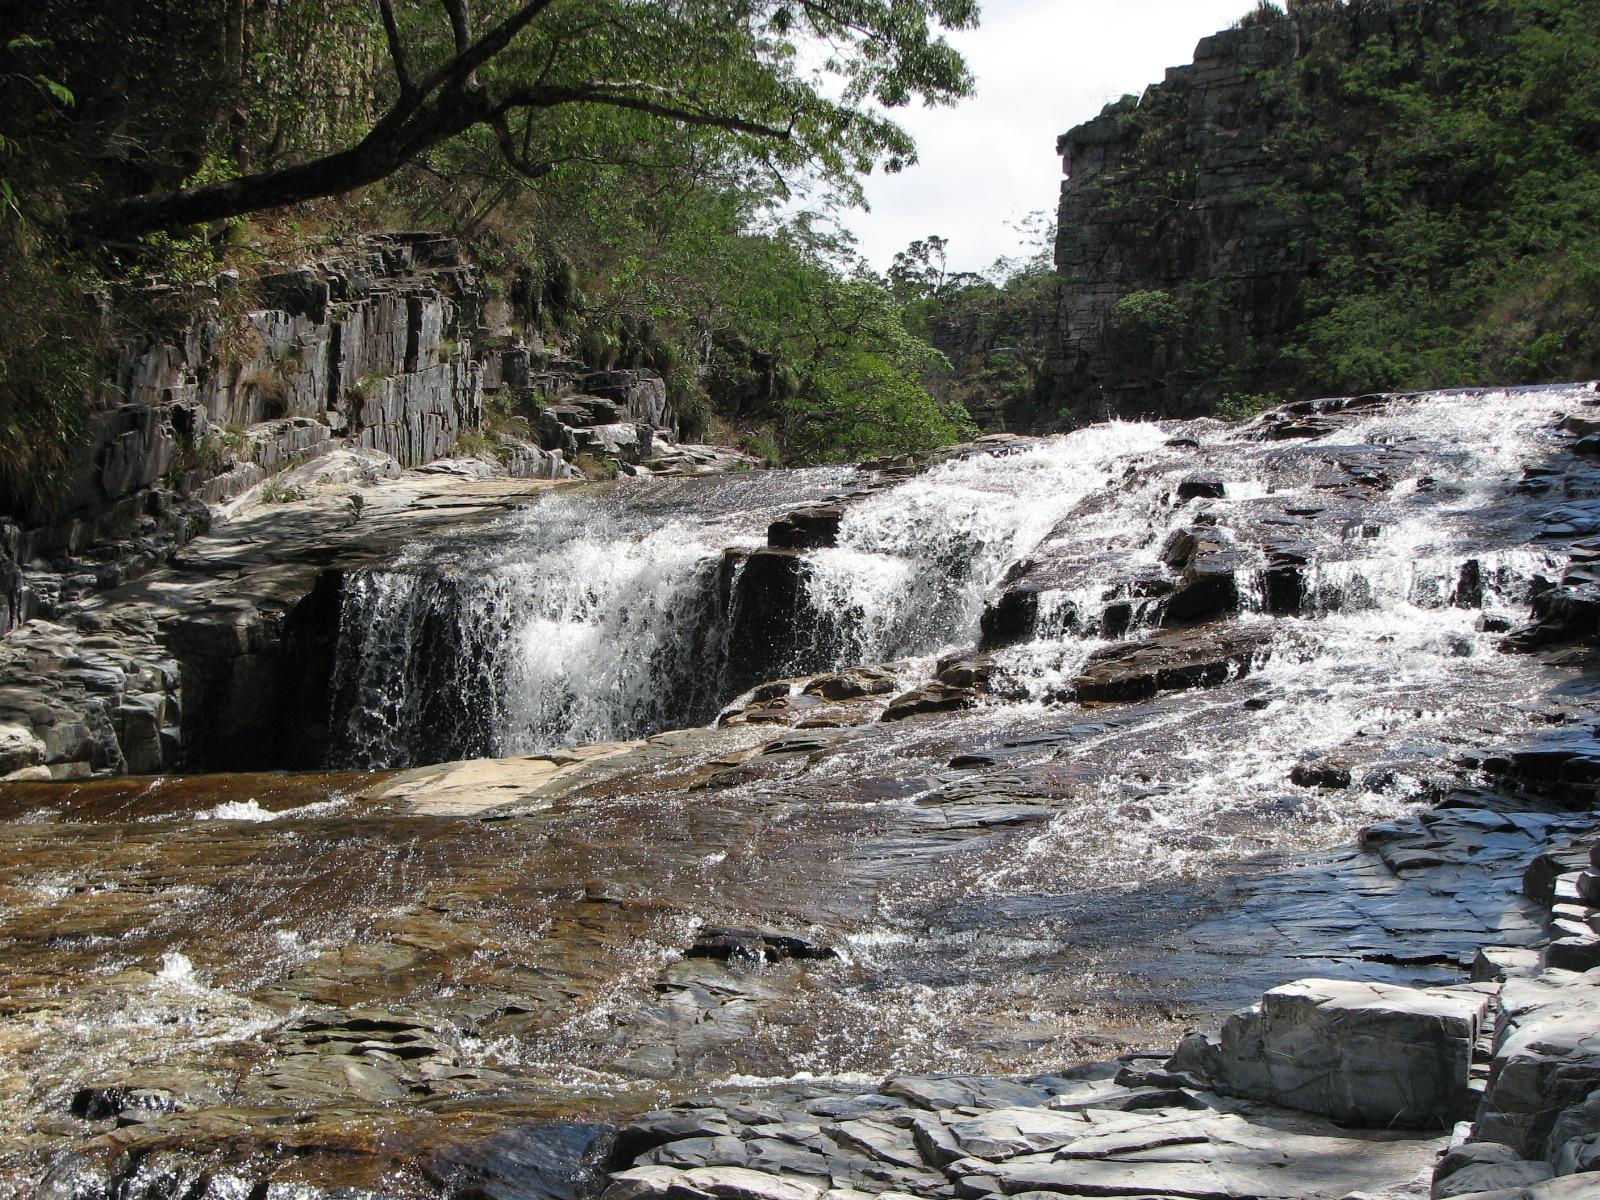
x=827 y=952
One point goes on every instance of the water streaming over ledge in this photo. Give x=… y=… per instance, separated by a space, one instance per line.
x=997 y=881
x=606 y=613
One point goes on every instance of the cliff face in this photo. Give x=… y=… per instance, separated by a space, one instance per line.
x=1163 y=194
x=388 y=346
x=1193 y=218
x=369 y=349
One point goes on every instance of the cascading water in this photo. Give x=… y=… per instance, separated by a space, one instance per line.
x=914 y=566
x=583 y=619
x=589 y=619
x=600 y=617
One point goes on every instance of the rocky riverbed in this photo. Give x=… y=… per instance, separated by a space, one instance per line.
x=1061 y=750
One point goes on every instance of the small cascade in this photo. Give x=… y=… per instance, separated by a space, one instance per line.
x=581 y=620
x=616 y=613
x=914 y=566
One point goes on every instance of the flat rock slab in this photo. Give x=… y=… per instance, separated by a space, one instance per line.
x=1046 y=1137
x=1205 y=656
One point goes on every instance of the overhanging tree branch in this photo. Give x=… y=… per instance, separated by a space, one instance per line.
x=460 y=23
x=638 y=97
x=568 y=67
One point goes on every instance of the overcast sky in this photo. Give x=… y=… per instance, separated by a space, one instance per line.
x=1042 y=66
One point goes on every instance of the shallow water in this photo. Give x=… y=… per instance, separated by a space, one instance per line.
x=1023 y=909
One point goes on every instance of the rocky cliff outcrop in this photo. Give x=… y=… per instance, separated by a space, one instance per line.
x=1186 y=235
x=384 y=346
x=369 y=347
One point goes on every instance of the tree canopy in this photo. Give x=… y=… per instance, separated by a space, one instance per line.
x=797 y=88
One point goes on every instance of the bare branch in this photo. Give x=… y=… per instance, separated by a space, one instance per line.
x=460 y=68
x=514 y=157
x=638 y=97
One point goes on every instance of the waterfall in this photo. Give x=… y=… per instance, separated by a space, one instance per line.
x=585 y=617
x=608 y=613
x=597 y=638
x=915 y=565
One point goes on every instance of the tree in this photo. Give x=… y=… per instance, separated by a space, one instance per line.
x=797 y=86
x=918 y=271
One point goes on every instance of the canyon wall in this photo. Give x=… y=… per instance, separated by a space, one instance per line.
x=1203 y=224
x=368 y=348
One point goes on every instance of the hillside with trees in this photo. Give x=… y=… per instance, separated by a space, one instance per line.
x=650 y=181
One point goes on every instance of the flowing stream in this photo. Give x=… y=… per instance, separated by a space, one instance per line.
x=607 y=614
x=596 y=617
x=1006 y=887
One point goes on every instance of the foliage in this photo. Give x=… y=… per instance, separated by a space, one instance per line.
x=1241 y=406
x=1454 y=193
x=596 y=468
x=223 y=109
x=276 y=491
x=620 y=187
x=993 y=328
x=49 y=342
x=1144 y=322
x=473 y=444
x=920 y=269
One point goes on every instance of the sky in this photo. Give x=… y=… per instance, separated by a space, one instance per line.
x=1041 y=66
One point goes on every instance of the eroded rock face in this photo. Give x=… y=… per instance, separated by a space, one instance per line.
x=1546 y=1061
x=368 y=348
x=1361 y=1053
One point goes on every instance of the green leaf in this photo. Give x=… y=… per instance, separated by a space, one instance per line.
x=59 y=91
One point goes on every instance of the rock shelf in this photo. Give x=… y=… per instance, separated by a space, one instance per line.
x=1219 y=904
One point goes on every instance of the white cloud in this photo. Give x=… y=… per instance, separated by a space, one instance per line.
x=1042 y=66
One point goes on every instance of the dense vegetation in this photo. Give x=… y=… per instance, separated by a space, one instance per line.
x=644 y=170
x=1452 y=179
x=1438 y=164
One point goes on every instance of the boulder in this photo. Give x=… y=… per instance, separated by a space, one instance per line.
x=1203 y=487
x=1361 y=1053
x=19 y=749
x=932 y=698
x=851 y=684
x=1546 y=1059
x=1010 y=619
x=1204 y=656
x=1491 y=1177
x=755 y=945
x=1209 y=589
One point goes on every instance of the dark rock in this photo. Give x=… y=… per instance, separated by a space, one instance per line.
x=750 y=945
x=1206 y=487
x=98 y=1103
x=806 y=528
x=531 y=1160
x=932 y=698
x=974 y=671
x=1209 y=589
x=851 y=684
x=1010 y=619
x=1205 y=656
x=769 y=621
x=1321 y=773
